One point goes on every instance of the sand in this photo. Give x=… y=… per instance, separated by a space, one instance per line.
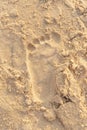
x=43 y=64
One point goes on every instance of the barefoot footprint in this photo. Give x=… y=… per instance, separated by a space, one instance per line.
x=42 y=74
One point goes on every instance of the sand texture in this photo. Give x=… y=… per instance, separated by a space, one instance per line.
x=43 y=64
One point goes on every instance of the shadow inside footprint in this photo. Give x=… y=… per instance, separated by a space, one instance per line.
x=36 y=41
x=31 y=47
x=56 y=37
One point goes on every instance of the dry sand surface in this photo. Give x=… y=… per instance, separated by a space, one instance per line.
x=43 y=64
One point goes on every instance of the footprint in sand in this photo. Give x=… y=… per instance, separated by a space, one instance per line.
x=43 y=74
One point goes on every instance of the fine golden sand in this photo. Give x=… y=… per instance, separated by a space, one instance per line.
x=43 y=64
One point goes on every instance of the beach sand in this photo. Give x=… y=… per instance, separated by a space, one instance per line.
x=43 y=64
